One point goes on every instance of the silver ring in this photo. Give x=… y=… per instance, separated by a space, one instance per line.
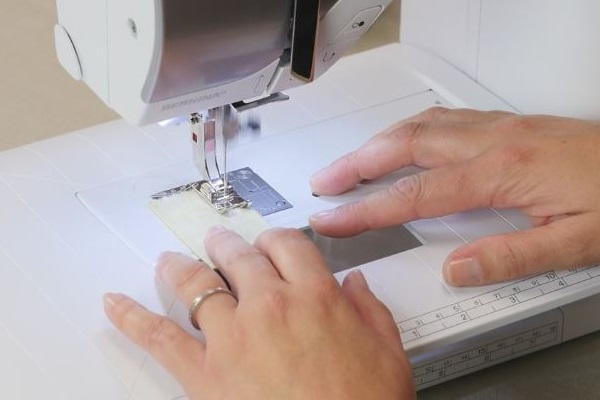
x=198 y=301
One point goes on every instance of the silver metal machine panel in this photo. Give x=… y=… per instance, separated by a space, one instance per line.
x=211 y=43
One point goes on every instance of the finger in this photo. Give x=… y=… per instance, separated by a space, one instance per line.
x=429 y=194
x=460 y=115
x=371 y=309
x=424 y=141
x=560 y=245
x=190 y=278
x=293 y=254
x=179 y=353
x=246 y=268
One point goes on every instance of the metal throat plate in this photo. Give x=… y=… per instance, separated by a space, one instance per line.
x=261 y=196
x=248 y=186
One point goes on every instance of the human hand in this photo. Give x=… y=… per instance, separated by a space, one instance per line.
x=548 y=167
x=295 y=333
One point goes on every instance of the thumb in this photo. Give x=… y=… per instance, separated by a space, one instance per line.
x=560 y=245
x=371 y=309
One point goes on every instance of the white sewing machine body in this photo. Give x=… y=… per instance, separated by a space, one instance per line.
x=76 y=225
x=152 y=61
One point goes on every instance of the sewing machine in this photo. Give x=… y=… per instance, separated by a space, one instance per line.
x=206 y=59
x=74 y=208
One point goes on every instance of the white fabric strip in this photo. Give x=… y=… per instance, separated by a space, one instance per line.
x=189 y=217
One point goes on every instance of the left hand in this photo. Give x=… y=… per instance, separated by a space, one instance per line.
x=295 y=333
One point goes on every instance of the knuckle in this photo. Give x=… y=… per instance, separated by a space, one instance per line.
x=161 y=334
x=503 y=261
x=513 y=259
x=409 y=191
x=217 y=237
x=353 y=159
x=360 y=213
x=410 y=131
x=249 y=257
x=195 y=277
x=434 y=113
x=405 y=132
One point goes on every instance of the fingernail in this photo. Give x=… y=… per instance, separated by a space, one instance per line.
x=110 y=299
x=357 y=277
x=323 y=216
x=215 y=230
x=465 y=272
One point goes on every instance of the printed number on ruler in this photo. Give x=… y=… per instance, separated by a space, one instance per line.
x=486 y=355
x=489 y=303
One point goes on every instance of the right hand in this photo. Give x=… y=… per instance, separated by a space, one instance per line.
x=548 y=167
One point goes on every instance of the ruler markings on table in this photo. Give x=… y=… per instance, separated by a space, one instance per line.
x=486 y=354
x=488 y=303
